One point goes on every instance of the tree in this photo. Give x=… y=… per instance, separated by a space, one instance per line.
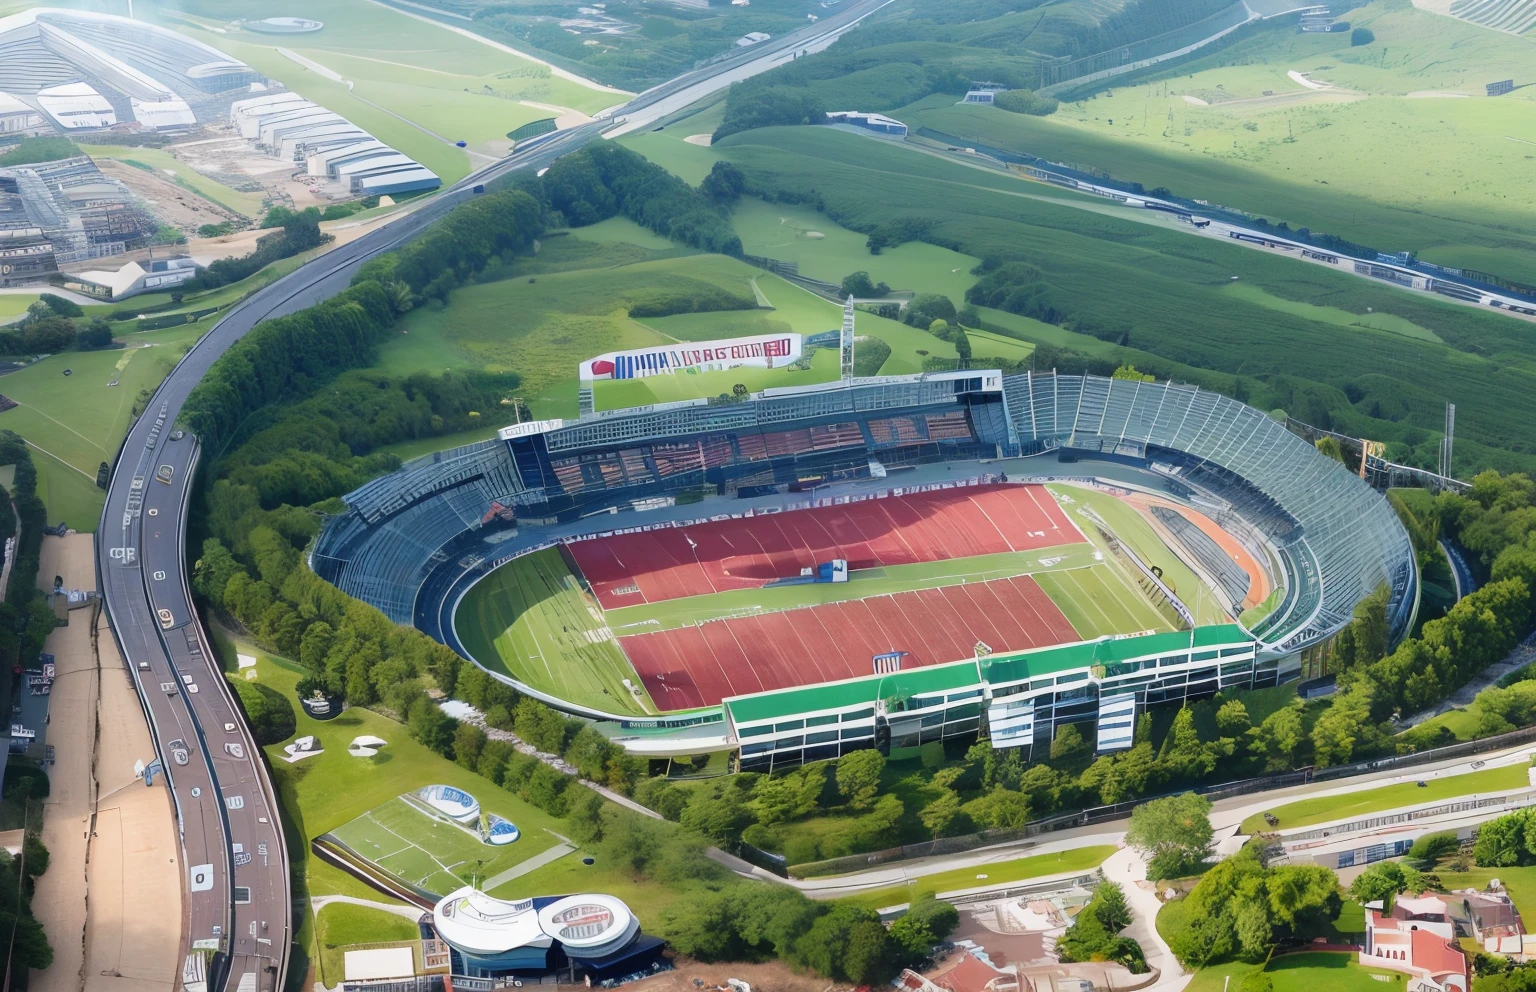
x=860 y=286
x=858 y=777
x=1001 y=808
x=1129 y=373
x=725 y=183
x=1232 y=718
x=96 y=334
x=1361 y=36
x=939 y=815
x=429 y=725
x=1431 y=848
x=925 y=308
x=1068 y=743
x=1174 y=833
x=868 y=958
x=1278 y=737
x=1380 y=882
x=268 y=712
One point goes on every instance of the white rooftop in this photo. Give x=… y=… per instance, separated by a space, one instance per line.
x=379 y=963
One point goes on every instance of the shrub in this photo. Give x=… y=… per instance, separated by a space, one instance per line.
x=1025 y=102
x=1361 y=36
x=267 y=711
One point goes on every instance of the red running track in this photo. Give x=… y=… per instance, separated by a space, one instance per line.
x=699 y=666
x=630 y=569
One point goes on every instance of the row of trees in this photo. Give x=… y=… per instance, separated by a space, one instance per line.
x=25 y=619
x=300 y=232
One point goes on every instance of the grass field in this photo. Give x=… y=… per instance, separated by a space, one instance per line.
x=995 y=873
x=828 y=251
x=531 y=619
x=1330 y=315
x=1099 y=601
x=446 y=86
x=862 y=584
x=340 y=925
x=1132 y=528
x=1185 y=324
x=76 y=422
x=1234 y=128
x=1325 y=809
x=437 y=855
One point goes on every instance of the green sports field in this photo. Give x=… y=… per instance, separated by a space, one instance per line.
x=437 y=855
x=862 y=584
x=531 y=619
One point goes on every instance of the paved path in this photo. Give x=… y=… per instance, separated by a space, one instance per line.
x=317 y=903
x=539 y=860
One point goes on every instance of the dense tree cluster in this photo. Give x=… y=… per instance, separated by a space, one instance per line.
x=1016 y=287
x=1243 y=909
x=1508 y=841
x=1026 y=102
x=1174 y=833
x=1095 y=934
x=25 y=619
x=748 y=106
x=50 y=326
x=605 y=179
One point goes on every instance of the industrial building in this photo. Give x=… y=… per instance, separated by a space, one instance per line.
x=82 y=71
x=153 y=276
x=69 y=203
x=293 y=129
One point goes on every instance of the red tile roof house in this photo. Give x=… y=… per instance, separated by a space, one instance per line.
x=1417 y=937
x=973 y=975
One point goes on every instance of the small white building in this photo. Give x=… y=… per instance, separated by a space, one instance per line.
x=16 y=117
x=879 y=123
x=752 y=38
x=154 y=276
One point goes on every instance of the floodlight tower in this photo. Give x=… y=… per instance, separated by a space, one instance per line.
x=1448 y=442
x=846 y=339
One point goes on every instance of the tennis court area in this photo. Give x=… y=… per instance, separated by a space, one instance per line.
x=434 y=854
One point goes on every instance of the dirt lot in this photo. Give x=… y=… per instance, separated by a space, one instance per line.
x=172 y=204
x=92 y=899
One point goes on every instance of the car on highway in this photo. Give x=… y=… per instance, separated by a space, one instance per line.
x=178 y=748
x=166 y=620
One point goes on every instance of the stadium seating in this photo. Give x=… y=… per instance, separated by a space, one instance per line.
x=1339 y=538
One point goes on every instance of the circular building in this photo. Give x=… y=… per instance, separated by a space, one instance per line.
x=455 y=804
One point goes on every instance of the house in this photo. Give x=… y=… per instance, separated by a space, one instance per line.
x=983 y=92
x=1417 y=937
x=1492 y=918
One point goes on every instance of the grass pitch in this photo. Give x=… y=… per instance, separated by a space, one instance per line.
x=437 y=855
x=531 y=619
x=862 y=584
x=1100 y=600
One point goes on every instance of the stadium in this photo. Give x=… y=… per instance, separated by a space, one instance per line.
x=879 y=561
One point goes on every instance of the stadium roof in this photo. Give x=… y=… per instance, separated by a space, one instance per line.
x=964 y=674
x=840 y=695
x=1048 y=661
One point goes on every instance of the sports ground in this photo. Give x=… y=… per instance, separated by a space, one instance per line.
x=429 y=852
x=678 y=618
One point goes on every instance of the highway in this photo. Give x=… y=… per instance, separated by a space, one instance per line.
x=239 y=900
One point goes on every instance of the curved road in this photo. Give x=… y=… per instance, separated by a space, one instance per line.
x=238 y=912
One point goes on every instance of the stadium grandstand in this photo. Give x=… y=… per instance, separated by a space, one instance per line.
x=935 y=449
x=88 y=71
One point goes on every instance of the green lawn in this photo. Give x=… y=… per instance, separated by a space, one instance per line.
x=1099 y=601
x=828 y=251
x=1331 y=315
x=618 y=394
x=1308 y=971
x=407 y=450
x=996 y=873
x=1519 y=882
x=1462 y=723
x=1326 y=809
x=340 y=925
x=76 y=422
x=1133 y=529
x=531 y=619
x=862 y=584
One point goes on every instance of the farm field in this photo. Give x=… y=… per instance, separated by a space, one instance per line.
x=1237 y=128
x=1185 y=325
x=531 y=620
x=1325 y=809
x=434 y=854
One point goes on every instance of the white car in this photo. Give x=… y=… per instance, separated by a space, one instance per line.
x=178 y=751
x=165 y=618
